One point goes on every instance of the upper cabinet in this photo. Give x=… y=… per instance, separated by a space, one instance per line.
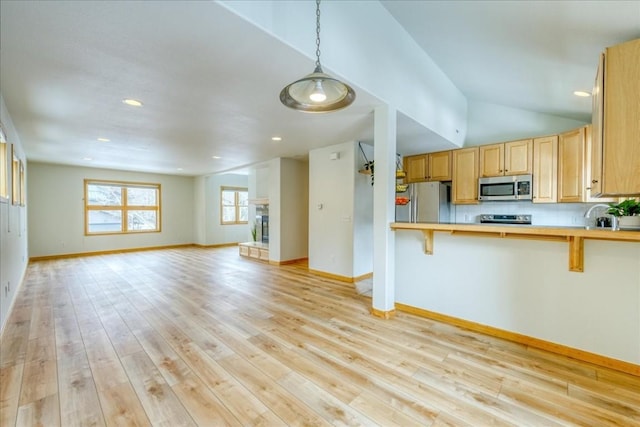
x=545 y=169
x=571 y=159
x=615 y=150
x=464 y=189
x=588 y=180
x=428 y=167
x=440 y=166
x=510 y=158
x=574 y=176
x=416 y=168
x=492 y=160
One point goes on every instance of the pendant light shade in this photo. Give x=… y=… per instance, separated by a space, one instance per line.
x=317 y=92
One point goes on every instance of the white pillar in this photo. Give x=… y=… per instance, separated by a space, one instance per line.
x=384 y=188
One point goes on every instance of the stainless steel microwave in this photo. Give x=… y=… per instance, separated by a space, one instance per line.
x=516 y=187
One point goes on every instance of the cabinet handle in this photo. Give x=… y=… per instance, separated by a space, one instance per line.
x=594 y=181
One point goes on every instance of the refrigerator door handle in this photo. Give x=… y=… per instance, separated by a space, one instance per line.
x=414 y=204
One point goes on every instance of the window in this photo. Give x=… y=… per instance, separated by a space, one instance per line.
x=234 y=205
x=23 y=192
x=15 y=178
x=121 y=207
x=4 y=158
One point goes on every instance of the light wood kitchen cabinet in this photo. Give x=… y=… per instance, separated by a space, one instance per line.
x=416 y=168
x=574 y=174
x=615 y=151
x=465 y=176
x=509 y=158
x=545 y=169
x=588 y=181
x=571 y=161
x=440 y=166
x=428 y=167
x=492 y=160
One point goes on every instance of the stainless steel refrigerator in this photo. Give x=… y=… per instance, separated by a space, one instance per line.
x=429 y=202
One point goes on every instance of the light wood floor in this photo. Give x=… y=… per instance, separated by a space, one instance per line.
x=203 y=337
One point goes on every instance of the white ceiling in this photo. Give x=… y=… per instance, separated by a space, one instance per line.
x=210 y=80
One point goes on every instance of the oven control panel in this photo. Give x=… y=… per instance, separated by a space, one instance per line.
x=505 y=219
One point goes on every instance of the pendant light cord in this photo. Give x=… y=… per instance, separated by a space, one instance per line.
x=318 y=35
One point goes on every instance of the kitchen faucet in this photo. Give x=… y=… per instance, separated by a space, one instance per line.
x=588 y=213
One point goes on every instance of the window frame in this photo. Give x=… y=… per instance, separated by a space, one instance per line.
x=124 y=208
x=4 y=166
x=16 y=186
x=236 y=206
x=23 y=190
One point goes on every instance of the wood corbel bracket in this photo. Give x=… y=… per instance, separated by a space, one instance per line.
x=576 y=253
x=428 y=241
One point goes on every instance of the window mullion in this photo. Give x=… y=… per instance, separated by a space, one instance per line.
x=125 y=211
x=237 y=196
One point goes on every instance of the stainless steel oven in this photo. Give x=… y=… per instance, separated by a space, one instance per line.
x=516 y=187
x=505 y=219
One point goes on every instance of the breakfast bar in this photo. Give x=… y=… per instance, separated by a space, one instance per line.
x=512 y=281
x=575 y=236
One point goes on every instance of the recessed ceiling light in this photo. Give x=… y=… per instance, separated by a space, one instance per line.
x=104 y=139
x=132 y=102
x=582 y=93
x=276 y=138
x=88 y=159
x=216 y=157
x=179 y=169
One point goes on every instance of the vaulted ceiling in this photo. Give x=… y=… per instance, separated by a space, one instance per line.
x=210 y=80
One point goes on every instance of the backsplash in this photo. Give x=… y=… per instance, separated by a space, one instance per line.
x=562 y=214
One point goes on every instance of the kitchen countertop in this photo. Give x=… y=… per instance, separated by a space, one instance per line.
x=533 y=230
x=573 y=235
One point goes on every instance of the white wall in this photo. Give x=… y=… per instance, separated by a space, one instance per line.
x=492 y=123
x=214 y=232
x=199 y=208
x=387 y=64
x=362 y=216
x=288 y=209
x=524 y=286
x=56 y=211
x=13 y=229
x=294 y=210
x=331 y=209
x=341 y=231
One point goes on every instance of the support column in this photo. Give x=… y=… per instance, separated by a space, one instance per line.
x=384 y=189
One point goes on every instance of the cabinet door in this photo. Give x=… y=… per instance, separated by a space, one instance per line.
x=596 y=133
x=518 y=157
x=492 y=160
x=545 y=170
x=465 y=176
x=571 y=160
x=621 y=125
x=440 y=166
x=416 y=168
x=588 y=180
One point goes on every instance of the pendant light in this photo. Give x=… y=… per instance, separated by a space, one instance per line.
x=317 y=92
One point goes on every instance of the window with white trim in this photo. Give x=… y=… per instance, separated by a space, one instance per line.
x=16 y=195
x=234 y=205
x=4 y=169
x=113 y=207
